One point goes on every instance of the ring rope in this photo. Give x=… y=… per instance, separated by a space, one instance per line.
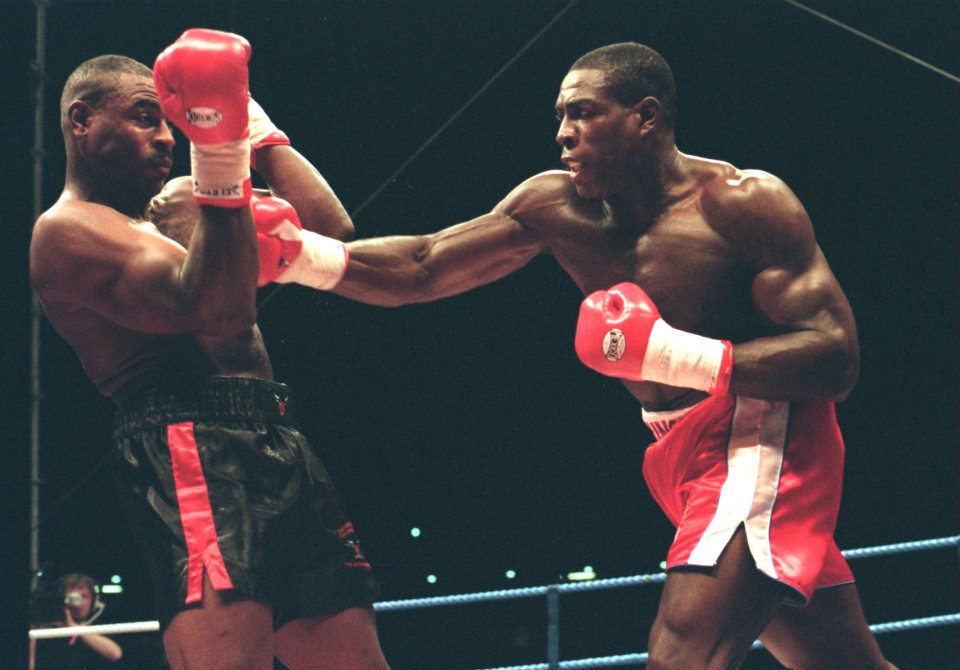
x=633 y=659
x=534 y=591
x=510 y=594
x=103 y=629
x=902 y=547
x=871 y=38
x=616 y=582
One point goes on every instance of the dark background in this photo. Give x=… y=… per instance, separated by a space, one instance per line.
x=471 y=418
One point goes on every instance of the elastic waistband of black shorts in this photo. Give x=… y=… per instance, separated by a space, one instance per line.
x=175 y=400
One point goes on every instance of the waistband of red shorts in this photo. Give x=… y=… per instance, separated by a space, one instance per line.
x=661 y=422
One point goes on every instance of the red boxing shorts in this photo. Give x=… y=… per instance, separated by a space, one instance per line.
x=216 y=480
x=775 y=468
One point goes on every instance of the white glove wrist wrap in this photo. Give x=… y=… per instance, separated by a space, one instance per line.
x=220 y=170
x=682 y=359
x=259 y=123
x=321 y=264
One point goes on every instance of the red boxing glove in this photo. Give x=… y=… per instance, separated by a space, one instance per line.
x=620 y=334
x=278 y=236
x=202 y=82
x=289 y=254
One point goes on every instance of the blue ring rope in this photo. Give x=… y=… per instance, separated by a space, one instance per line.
x=635 y=580
x=634 y=659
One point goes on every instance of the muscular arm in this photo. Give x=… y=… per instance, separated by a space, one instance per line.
x=815 y=353
x=92 y=257
x=292 y=177
x=398 y=270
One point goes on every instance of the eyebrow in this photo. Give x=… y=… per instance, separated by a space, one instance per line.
x=575 y=102
x=146 y=102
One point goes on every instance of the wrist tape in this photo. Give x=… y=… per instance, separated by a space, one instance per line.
x=682 y=359
x=221 y=173
x=321 y=264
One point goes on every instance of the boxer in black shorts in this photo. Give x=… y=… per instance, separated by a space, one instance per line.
x=253 y=554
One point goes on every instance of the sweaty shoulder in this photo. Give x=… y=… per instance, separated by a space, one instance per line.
x=78 y=246
x=758 y=214
x=52 y=238
x=541 y=198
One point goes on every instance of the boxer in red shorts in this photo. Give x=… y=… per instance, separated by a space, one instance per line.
x=754 y=326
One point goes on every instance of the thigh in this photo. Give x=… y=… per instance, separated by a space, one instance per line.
x=830 y=632
x=709 y=617
x=225 y=632
x=343 y=641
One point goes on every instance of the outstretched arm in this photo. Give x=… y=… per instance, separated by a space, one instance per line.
x=398 y=270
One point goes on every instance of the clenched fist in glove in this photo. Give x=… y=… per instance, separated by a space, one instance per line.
x=620 y=334
x=202 y=82
x=289 y=254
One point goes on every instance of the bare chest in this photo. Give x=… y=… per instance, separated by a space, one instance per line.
x=692 y=274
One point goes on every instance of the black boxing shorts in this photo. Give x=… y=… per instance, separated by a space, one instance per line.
x=216 y=479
